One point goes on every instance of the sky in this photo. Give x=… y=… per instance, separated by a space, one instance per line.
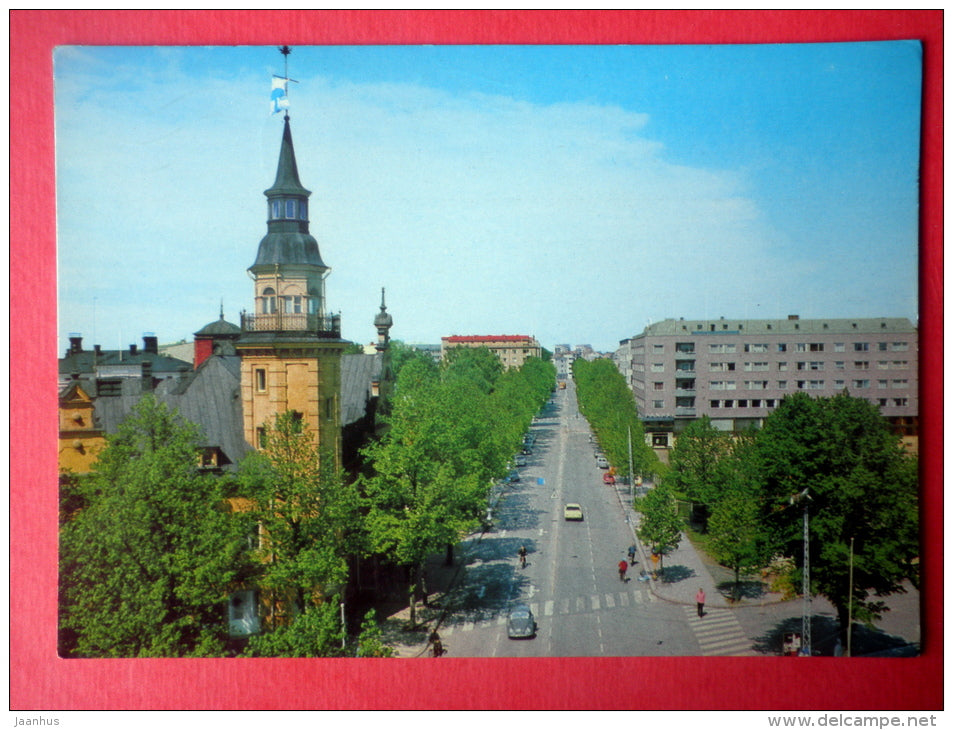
x=572 y=193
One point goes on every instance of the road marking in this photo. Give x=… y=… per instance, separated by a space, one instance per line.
x=548 y=608
x=624 y=599
x=534 y=608
x=610 y=602
x=595 y=602
x=580 y=604
x=718 y=633
x=564 y=605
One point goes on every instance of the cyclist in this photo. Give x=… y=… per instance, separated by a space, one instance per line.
x=522 y=554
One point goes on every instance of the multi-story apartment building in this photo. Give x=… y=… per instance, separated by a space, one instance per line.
x=737 y=371
x=511 y=349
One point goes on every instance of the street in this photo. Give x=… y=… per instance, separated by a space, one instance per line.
x=570 y=582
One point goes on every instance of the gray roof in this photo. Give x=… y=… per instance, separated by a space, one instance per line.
x=779 y=326
x=358 y=372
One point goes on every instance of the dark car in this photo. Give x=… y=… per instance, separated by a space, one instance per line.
x=522 y=624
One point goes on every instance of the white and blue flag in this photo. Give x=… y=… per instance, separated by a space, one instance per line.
x=279 y=94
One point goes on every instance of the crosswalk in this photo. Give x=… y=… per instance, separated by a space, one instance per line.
x=564 y=606
x=718 y=632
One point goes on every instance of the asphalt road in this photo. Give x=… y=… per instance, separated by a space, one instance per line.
x=571 y=581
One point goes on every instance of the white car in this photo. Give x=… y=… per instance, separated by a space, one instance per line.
x=572 y=511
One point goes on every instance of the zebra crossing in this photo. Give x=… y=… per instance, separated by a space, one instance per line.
x=718 y=633
x=563 y=606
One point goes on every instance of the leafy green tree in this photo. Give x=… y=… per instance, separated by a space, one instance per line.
x=661 y=527
x=737 y=535
x=861 y=486
x=149 y=559
x=370 y=642
x=694 y=463
x=609 y=406
x=315 y=632
x=307 y=515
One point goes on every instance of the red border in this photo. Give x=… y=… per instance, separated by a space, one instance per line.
x=41 y=681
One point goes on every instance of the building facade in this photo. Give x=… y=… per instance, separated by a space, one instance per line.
x=737 y=371
x=513 y=350
x=290 y=346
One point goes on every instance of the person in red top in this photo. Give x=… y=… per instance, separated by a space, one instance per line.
x=623 y=566
x=700 y=600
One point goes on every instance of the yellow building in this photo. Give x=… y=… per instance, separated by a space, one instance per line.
x=80 y=441
x=290 y=346
x=513 y=350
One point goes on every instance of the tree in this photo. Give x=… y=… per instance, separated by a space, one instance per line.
x=369 y=643
x=307 y=516
x=148 y=561
x=861 y=485
x=609 y=406
x=695 y=462
x=661 y=527
x=737 y=537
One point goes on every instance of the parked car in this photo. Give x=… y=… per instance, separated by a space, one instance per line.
x=521 y=624
x=572 y=511
x=608 y=478
x=602 y=462
x=520 y=460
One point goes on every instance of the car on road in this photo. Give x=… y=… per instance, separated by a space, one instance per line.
x=520 y=460
x=572 y=511
x=521 y=624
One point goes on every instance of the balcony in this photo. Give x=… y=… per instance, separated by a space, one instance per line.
x=328 y=327
x=685 y=411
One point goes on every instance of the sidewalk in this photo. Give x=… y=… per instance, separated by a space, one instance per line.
x=684 y=571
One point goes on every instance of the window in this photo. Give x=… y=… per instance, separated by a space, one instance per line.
x=861 y=365
x=714 y=403
x=303 y=209
x=262 y=438
x=839 y=365
x=658 y=403
x=900 y=346
x=861 y=346
x=900 y=401
x=260 y=382
x=755 y=402
x=838 y=383
x=898 y=383
x=755 y=348
x=275 y=209
x=770 y=403
x=802 y=365
x=685 y=347
x=800 y=347
x=721 y=367
x=861 y=383
x=882 y=346
x=882 y=384
x=717 y=385
x=816 y=347
x=782 y=347
x=658 y=349
x=729 y=403
x=899 y=365
x=658 y=367
x=756 y=384
x=782 y=384
x=658 y=386
x=839 y=347
x=756 y=366
x=782 y=366
x=268 y=300
x=882 y=365
x=289 y=209
x=742 y=403
x=721 y=347
x=660 y=440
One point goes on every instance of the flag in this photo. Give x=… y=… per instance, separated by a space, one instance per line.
x=279 y=94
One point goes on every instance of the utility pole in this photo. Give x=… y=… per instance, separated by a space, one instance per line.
x=804 y=497
x=850 y=598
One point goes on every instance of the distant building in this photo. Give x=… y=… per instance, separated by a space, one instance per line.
x=513 y=350
x=737 y=371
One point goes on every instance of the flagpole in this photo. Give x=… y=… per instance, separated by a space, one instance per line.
x=286 y=51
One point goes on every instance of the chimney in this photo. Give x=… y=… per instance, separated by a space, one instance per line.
x=150 y=343
x=133 y=349
x=75 y=343
x=98 y=350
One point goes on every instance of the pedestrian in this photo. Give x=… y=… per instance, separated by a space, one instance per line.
x=623 y=566
x=631 y=554
x=700 y=600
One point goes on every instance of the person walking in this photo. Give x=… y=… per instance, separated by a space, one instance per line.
x=700 y=600
x=623 y=566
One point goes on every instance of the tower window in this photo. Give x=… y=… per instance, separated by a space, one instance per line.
x=303 y=209
x=289 y=209
x=275 y=209
x=260 y=381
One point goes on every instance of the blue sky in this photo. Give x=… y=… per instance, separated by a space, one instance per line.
x=574 y=193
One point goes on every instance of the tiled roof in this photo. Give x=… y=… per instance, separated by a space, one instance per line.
x=487 y=338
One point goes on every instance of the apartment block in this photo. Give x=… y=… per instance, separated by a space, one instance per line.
x=513 y=350
x=737 y=371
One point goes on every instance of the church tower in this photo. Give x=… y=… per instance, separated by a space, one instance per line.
x=290 y=345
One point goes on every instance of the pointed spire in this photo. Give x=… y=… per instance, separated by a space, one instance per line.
x=286 y=179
